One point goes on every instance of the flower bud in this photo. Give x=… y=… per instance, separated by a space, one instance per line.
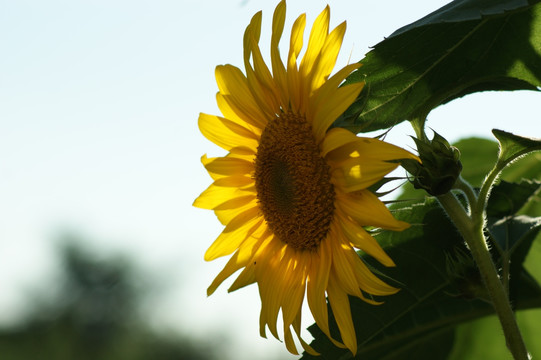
x=439 y=168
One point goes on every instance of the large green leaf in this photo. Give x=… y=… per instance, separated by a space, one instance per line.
x=467 y=46
x=440 y=287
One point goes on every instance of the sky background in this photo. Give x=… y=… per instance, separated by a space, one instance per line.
x=99 y=103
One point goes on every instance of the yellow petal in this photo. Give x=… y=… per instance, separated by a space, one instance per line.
x=318 y=35
x=340 y=307
x=246 y=277
x=362 y=240
x=236 y=203
x=341 y=269
x=340 y=100
x=317 y=284
x=246 y=253
x=367 y=280
x=377 y=149
x=288 y=338
x=259 y=79
x=225 y=133
x=259 y=240
x=269 y=272
x=253 y=31
x=370 y=150
x=336 y=138
x=262 y=72
x=278 y=68
x=297 y=328
x=295 y=284
x=234 y=181
x=293 y=76
x=242 y=113
x=296 y=41
x=357 y=174
x=365 y=208
x=214 y=197
x=328 y=56
x=234 y=234
x=243 y=152
x=269 y=92
x=227 y=166
x=321 y=96
x=233 y=85
x=230 y=268
x=226 y=215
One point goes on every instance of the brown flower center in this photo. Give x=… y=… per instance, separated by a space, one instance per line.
x=293 y=183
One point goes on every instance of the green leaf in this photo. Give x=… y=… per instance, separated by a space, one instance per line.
x=513 y=237
x=439 y=284
x=465 y=47
x=508 y=198
x=478 y=157
x=533 y=261
x=514 y=146
x=483 y=338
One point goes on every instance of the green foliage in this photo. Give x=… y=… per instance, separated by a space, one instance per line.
x=508 y=198
x=478 y=156
x=479 y=340
x=462 y=48
x=441 y=289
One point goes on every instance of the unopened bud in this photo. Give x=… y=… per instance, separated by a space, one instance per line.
x=439 y=168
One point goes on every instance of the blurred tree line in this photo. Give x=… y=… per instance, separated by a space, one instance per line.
x=94 y=316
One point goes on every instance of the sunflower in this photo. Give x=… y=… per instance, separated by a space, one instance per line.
x=292 y=194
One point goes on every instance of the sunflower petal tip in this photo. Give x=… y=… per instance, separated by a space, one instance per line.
x=402 y=225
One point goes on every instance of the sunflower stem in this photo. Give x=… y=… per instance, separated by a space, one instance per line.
x=471 y=225
x=472 y=230
x=484 y=192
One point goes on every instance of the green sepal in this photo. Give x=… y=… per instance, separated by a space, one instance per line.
x=439 y=168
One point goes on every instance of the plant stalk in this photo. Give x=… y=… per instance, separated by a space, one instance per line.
x=467 y=189
x=471 y=229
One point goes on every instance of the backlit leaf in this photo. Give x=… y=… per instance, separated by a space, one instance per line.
x=465 y=47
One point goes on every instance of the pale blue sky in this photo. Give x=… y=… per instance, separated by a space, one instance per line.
x=98 y=133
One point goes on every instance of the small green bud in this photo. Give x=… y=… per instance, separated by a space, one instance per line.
x=439 y=168
x=467 y=280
